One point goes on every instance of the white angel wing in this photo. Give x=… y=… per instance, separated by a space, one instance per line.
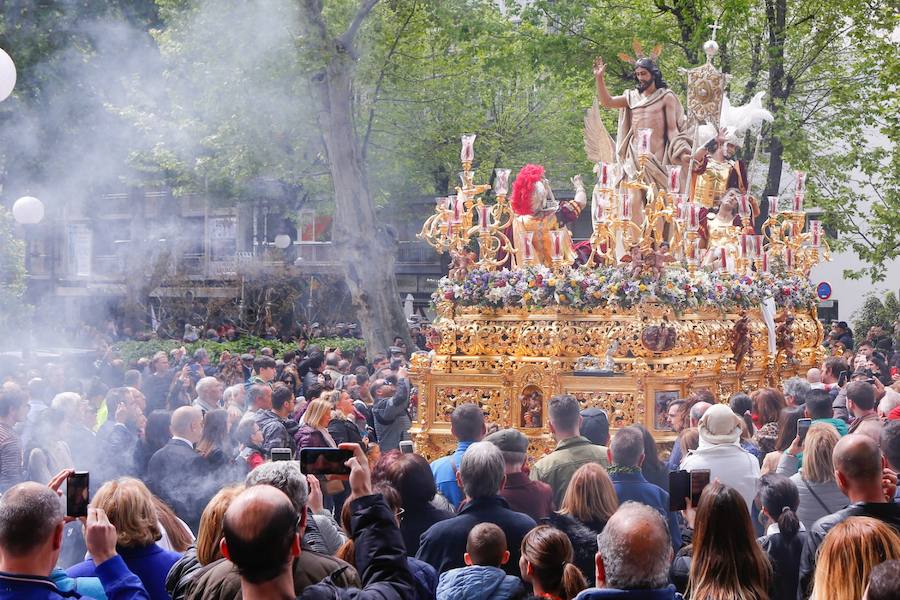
x=741 y=118
x=598 y=145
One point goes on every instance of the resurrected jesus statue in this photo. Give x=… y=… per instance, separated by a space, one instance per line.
x=651 y=105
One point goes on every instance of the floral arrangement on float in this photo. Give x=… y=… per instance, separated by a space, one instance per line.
x=584 y=288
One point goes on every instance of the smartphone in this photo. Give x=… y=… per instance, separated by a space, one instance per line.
x=699 y=480
x=406 y=447
x=842 y=378
x=77 y=494
x=281 y=454
x=679 y=489
x=802 y=428
x=324 y=461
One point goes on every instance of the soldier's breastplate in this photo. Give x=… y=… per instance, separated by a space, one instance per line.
x=712 y=183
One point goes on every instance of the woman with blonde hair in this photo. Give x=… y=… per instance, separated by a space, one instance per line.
x=129 y=506
x=819 y=492
x=848 y=554
x=589 y=502
x=546 y=563
x=206 y=550
x=347 y=424
x=313 y=431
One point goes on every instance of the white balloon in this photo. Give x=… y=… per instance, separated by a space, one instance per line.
x=28 y=210
x=7 y=75
x=282 y=241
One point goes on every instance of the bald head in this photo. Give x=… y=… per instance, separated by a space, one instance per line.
x=261 y=533
x=635 y=549
x=858 y=459
x=29 y=516
x=187 y=423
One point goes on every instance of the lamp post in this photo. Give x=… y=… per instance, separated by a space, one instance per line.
x=27 y=211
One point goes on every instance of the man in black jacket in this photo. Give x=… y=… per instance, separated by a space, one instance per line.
x=859 y=473
x=174 y=471
x=481 y=475
x=261 y=537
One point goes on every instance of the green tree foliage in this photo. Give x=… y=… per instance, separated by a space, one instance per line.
x=877 y=311
x=14 y=311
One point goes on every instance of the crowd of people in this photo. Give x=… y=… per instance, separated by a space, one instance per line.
x=189 y=500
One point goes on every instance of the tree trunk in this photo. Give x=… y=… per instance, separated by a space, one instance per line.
x=366 y=248
x=776 y=11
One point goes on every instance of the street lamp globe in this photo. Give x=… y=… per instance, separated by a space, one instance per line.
x=28 y=210
x=282 y=241
x=7 y=75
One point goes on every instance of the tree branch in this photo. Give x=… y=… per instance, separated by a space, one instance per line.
x=381 y=75
x=347 y=38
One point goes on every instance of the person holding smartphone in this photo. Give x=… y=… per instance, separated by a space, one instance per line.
x=27 y=560
x=721 y=454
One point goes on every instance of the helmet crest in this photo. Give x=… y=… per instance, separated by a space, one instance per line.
x=523 y=189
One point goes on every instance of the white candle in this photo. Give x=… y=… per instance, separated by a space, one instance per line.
x=757 y=246
x=597 y=201
x=693 y=216
x=815 y=230
x=644 y=138
x=675 y=178
x=625 y=211
x=457 y=205
x=604 y=175
x=801 y=182
x=556 y=239
x=467 y=153
x=501 y=181
x=773 y=205
x=744 y=205
x=484 y=218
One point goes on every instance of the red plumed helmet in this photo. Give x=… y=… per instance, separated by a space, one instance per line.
x=523 y=188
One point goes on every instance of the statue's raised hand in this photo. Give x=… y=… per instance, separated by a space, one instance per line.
x=599 y=67
x=577 y=182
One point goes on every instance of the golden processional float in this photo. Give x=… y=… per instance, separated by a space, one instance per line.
x=674 y=292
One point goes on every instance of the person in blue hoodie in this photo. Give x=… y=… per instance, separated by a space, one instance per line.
x=633 y=557
x=31 y=528
x=482 y=578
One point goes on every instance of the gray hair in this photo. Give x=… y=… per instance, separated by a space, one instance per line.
x=66 y=402
x=698 y=409
x=29 y=513
x=627 y=447
x=796 y=387
x=284 y=475
x=233 y=394
x=890 y=401
x=636 y=548
x=482 y=469
x=204 y=385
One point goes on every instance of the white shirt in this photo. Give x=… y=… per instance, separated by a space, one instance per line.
x=773 y=528
x=730 y=464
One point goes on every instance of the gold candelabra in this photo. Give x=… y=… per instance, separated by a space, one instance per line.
x=453 y=223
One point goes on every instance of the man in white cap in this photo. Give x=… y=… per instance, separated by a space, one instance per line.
x=720 y=452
